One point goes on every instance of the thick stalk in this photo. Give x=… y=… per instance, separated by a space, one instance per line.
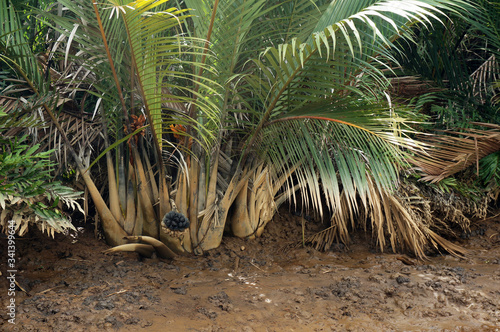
x=139 y=220
x=151 y=182
x=211 y=232
x=239 y=220
x=202 y=188
x=113 y=232
x=131 y=204
x=211 y=204
x=122 y=182
x=265 y=206
x=114 y=199
x=150 y=225
x=193 y=199
x=181 y=196
x=253 y=214
x=164 y=195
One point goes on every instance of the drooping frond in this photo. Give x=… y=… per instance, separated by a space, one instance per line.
x=454 y=151
x=404 y=218
x=336 y=150
x=343 y=55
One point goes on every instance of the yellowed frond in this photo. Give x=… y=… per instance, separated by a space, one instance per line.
x=454 y=151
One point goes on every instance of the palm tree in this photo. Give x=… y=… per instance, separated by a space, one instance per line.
x=304 y=83
x=247 y=103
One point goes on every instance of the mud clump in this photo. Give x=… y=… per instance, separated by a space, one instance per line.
x=222 y=301
x=209 y=313
x=344 y=287
x=179 y=290
x=402 y=280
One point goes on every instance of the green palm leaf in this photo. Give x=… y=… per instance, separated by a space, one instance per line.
x=15 y=53
x=338 y=62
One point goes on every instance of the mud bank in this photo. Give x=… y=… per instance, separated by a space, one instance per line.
x=262 y=285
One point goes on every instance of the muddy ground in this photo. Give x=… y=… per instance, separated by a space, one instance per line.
x=261 y=285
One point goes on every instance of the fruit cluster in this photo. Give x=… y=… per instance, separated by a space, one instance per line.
x=175 y=221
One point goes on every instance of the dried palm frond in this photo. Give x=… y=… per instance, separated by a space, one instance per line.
x=412 y=86
x=7 y=104
x=83 y=132
x=483 y=76
x=454 y=151
x=496 y=92
x=405 y=218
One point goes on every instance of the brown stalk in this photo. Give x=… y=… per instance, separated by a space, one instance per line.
x=114 y=199
x=193 y=200
x=240 y=220
x=122 y=184
x=181 y=196
x=164 y=196
x=211 y=205
x=150 y=226
x=139 y=220
x=211 y=233
x=131 y=207
x=150 y=178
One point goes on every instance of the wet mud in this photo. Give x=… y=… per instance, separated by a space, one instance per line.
x=267 y=284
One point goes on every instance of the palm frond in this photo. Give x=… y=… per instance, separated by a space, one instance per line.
x=403 y=217
x=335 y=151
x=292 y=74
x=15 y=53
x=483 y=77
x=454 y=151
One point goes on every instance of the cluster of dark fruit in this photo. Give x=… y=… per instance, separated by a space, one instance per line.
x=175 y=221
x=476 y=232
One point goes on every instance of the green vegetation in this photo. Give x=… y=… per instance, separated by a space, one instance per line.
x=27 y=192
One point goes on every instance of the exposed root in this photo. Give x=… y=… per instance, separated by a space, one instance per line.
x=145 y=250
x=162 y=250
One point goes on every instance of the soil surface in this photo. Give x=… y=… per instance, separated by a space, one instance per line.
x=268 y=284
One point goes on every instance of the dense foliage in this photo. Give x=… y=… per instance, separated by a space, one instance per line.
x=27 y=192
